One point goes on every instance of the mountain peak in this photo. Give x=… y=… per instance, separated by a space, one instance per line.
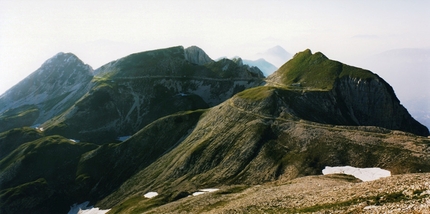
x=277 y=50
x=62 y=76
x=197 y=56
x=361 y=92
x=316 y=71
x=275 y=55
x=304 y=53
x=62 y=57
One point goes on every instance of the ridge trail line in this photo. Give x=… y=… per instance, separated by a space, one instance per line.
x=187 y=77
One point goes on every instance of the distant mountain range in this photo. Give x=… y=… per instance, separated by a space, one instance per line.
x=266 y=67
x=174 y=121
x=275 y=55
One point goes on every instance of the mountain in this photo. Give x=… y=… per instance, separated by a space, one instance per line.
x=353 y=96
x=129 y=93
x=47 y=92
x=275 y=55
x=266 y=67
x=216 y=125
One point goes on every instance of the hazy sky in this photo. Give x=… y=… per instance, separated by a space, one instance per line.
x=102 y=31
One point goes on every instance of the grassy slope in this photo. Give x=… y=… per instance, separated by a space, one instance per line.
x=246 y=148
x=48 y=161
x=12 y=139
x=316 y=71
x=19 y=117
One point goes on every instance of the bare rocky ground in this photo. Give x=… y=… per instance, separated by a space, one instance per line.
x=407 y=193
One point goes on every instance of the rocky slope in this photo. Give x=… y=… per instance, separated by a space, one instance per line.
x=47 y=92
x=131 y=92
x=408 y=193
x=197 y=56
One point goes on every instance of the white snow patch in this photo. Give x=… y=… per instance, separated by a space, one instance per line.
x=198 y=193
x=75 y=141
x=364 y=174
x=123 y=138
x=35 y=126
x=150 y=194
x=84 y=209
x=203 y=191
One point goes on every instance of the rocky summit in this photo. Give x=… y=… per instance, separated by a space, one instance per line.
x=47 y=92
x=174 y=123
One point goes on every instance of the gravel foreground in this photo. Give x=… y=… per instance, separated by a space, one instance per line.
x=407 y=193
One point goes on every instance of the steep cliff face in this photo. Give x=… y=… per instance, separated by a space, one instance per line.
x=47 y=92
x=373 y=102
x=355 y=96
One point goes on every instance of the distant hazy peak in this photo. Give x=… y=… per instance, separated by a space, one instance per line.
x=277 y=50
x=197 y=56
x=276 y=55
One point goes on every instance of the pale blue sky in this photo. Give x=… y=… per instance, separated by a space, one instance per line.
x=101 y=31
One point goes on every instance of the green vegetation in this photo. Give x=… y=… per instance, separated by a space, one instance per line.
x=355 y=72
x=25 y=197
x=12 y=139
x=316 y=71
x=257 y=93
x=19 y=117
x=139 y=204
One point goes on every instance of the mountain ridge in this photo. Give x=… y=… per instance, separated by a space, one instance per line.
x=142 y=87
x=194 y=123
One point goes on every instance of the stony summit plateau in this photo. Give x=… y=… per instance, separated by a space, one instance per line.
x=146 y=132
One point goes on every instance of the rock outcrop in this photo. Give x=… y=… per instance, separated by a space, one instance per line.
x=197 y=56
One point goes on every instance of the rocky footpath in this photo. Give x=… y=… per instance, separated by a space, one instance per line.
x=409 y=193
